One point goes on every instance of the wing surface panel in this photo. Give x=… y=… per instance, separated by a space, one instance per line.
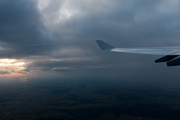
x=147 y=51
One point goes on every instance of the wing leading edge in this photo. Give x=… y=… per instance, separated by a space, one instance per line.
x=171 y=55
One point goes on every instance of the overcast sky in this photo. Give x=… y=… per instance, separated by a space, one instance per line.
x=55 y=39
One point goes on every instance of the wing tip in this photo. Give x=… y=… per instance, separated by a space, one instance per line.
x=103 y=45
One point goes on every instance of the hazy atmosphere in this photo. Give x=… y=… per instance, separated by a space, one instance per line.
x=46 y=40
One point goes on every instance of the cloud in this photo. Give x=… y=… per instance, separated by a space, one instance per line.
x=67 y=29
x=3 y=72
x=21 y=25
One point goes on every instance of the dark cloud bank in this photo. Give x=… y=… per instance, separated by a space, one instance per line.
x=69 y=47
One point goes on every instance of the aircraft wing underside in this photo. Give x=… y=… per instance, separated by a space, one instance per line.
x=171 y=55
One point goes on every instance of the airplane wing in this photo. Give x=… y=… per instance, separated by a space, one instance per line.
x=170 y=54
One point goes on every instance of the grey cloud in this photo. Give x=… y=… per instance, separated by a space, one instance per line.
x=62 y=69
x=19 y=21
x=122 y=23
x=118 y=23
x=4 y=72
x=21 y=24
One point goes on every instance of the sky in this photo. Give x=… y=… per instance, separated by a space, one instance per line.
x=55 y=39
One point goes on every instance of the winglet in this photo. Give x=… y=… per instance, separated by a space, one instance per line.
x=103 y=45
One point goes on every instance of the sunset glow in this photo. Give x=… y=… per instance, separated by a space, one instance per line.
x=12 y=75
x=11 y=67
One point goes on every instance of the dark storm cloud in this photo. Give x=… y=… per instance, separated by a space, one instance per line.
x=21 y=24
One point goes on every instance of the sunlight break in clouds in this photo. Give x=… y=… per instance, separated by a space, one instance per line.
x=12 y=74
x=11 y=67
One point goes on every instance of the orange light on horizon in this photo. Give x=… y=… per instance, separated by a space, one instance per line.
x=12 y=75
x=13 y=67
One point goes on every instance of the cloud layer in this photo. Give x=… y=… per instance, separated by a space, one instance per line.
x=63 y=34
